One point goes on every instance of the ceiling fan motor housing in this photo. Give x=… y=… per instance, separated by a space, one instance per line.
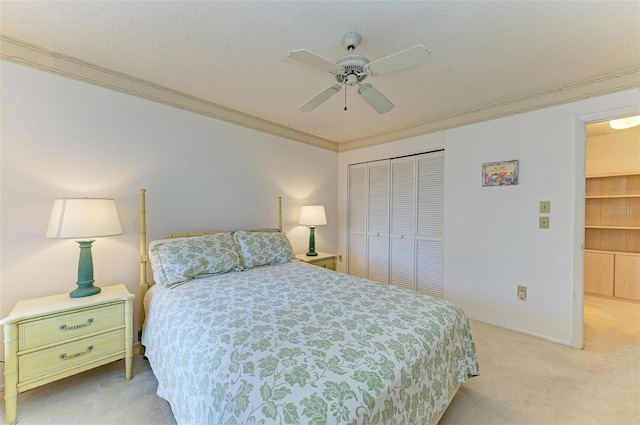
x=353 y=65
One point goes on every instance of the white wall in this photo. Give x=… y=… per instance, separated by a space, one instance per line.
x=64 y=138
x=492 y=239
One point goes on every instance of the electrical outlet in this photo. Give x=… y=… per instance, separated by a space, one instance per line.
x=545 y=207
x=544 y=222
x=522 y=293
x=340 y=258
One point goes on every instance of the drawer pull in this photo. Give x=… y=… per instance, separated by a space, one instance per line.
x=64 y=356
x=71 y=328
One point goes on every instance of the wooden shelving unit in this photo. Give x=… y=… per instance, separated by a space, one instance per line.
x=612 y=235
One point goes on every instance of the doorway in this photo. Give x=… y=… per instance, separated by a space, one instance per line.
x=611 y=304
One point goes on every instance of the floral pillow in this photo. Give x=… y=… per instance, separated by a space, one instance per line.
x=262 y=248
x=174 y=261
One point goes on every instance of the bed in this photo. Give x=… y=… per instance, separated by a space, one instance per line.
x=275 y=340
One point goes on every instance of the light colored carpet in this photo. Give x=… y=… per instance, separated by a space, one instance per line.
x=98 y=396
x=523 y=380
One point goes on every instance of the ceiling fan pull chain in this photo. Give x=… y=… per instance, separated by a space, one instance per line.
x=345 y=97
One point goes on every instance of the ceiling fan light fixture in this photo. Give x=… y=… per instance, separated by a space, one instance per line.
x=351 y=80
x=624 y=123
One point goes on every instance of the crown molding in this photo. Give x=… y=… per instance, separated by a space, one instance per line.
x=610 y=83
x=25 y=54
x=35 y=57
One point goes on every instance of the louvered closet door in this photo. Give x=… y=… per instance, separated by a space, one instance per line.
x=430 y=224
x=357 y=249
x=403 y=207
x=378 y=221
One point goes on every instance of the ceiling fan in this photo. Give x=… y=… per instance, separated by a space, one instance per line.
x=353 y=68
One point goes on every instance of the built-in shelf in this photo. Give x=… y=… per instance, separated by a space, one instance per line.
x=598 y=176
x=612 y=246
x=613 y=227
x=602 y=251
x=611 y=196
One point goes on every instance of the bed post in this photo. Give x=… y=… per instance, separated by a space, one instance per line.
x=280 y=213
x=143 y=284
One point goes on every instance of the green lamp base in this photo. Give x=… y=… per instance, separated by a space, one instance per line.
x=84 y=291
x=85 y=273
x=312 y=242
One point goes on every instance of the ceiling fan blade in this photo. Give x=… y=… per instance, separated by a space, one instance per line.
x=308 y=58
x=320 y=98
x=374 y=98
x=413 y=56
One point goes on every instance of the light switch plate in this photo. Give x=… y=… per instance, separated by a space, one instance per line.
x=544 y=222
x=545 y=207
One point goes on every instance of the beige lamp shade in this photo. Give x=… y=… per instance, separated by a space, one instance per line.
x=76 y=218
x=312 y=215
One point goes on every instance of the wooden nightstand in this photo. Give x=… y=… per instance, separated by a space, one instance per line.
x=323 y=259
x=54 y=337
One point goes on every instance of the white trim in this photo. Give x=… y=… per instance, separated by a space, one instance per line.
x=28 y=55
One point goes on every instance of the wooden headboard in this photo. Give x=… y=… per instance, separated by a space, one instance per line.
x=145 y=283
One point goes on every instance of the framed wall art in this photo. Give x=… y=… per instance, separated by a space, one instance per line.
x=502 y=173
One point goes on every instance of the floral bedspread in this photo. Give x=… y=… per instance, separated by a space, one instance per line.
x=297 y=344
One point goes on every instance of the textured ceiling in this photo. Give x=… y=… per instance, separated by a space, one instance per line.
x=234 y=53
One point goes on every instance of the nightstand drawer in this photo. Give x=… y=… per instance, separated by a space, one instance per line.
x=67 y=356
x=63 y=327
x=327 y=264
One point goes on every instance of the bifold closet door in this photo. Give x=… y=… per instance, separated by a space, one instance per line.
x=378 y=221
x=357 y=244
x=403 y=208
x=430 y=224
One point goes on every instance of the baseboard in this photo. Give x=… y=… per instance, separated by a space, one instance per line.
x=527 y=333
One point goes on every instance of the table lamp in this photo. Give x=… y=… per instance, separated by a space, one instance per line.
x=84 y=218
x=312 y=216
